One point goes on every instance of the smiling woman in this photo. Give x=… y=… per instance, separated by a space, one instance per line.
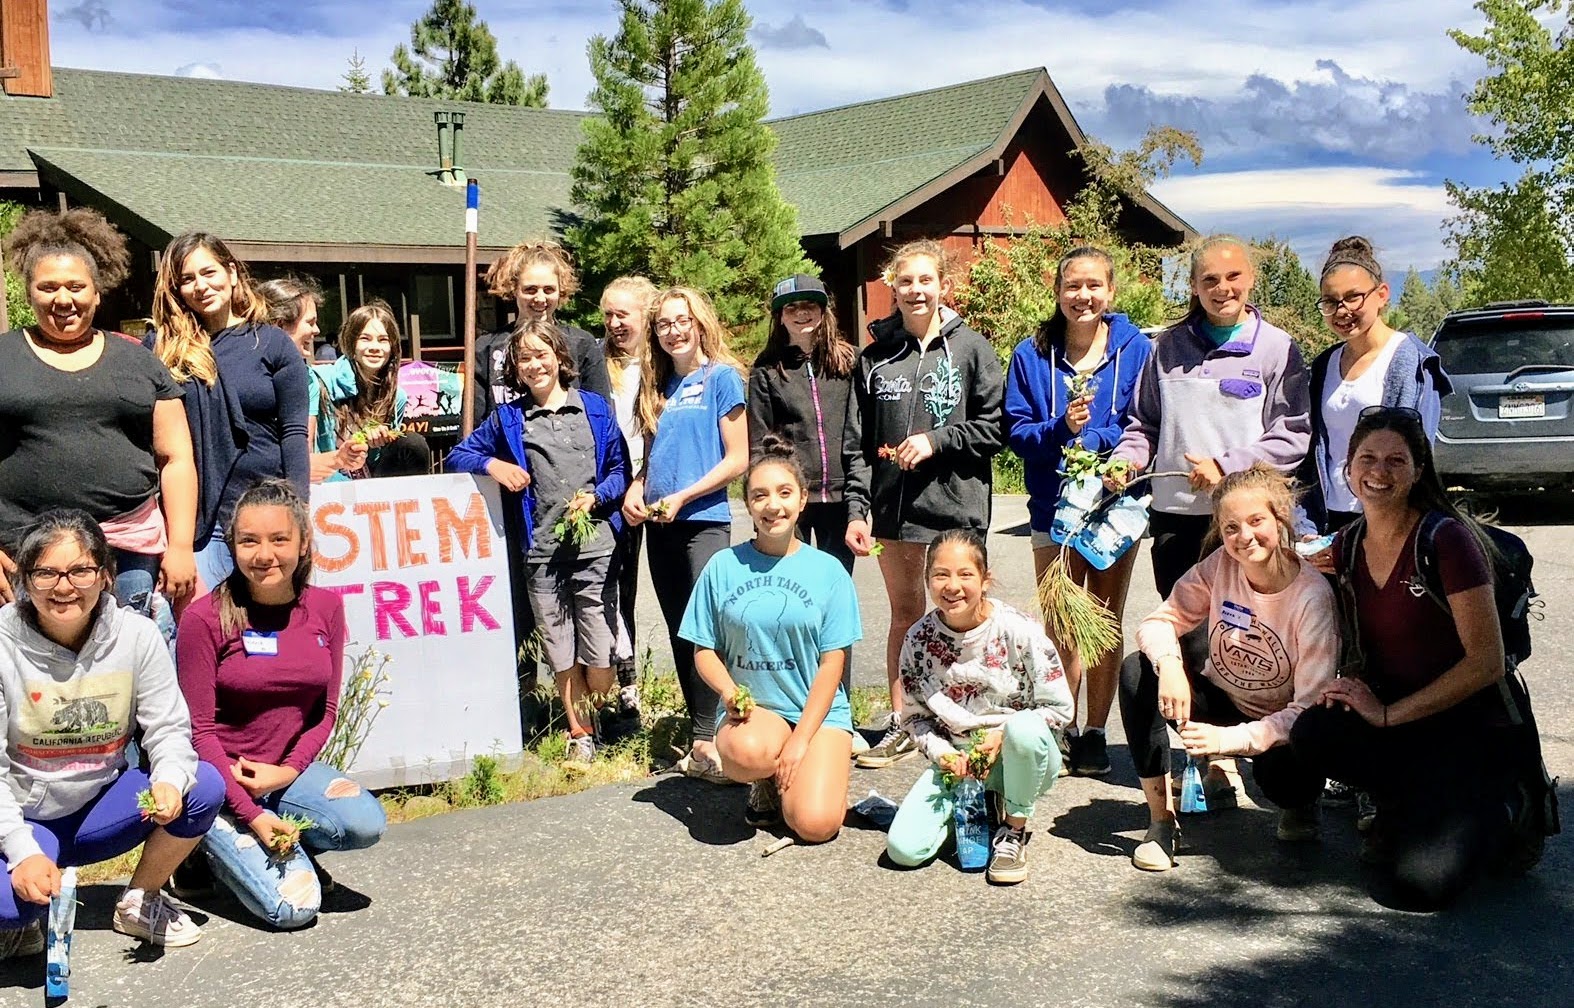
x=66 y=385
x=360 y=424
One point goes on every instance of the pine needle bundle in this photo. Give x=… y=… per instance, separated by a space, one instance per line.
x=1074 y=615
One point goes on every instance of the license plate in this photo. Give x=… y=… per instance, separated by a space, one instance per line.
x=1518 y=407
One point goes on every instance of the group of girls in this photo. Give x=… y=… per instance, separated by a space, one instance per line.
x=181 y=466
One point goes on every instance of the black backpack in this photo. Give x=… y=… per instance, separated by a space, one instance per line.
x=1517 y=603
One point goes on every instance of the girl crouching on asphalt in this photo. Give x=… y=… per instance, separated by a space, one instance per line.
x=78 y=676
x=261 y=662
x=772 y=621
x=974 y=663
x=1273 y=644
x=558 y=452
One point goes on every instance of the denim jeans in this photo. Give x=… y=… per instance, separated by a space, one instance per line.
x=1025 y=770
x=136 y=575
x=285 y=891
x=214 y=562
x=108 y=826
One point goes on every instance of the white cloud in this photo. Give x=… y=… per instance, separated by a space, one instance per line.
x=207 y=71
x=1400 y=211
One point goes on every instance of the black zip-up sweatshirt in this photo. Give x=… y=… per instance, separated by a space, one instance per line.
x=782 y=399
x=953 y=390
x=489 y=392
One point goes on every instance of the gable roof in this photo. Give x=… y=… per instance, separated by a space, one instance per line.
x=294 y=166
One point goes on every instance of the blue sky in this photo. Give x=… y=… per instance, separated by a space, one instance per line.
x=1317 y=118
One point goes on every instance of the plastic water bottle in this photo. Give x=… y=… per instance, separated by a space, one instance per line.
x=1106 y=540
x=972 y=825
x=1077 y=497
x=1194 y=798
x=57 y=948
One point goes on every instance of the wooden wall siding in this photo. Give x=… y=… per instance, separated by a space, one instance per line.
x=24 y=47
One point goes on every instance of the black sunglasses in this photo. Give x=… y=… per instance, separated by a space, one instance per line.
x=1401 y=412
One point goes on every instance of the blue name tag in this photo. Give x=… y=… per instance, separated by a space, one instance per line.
x=259 y=644
x=1236 y=616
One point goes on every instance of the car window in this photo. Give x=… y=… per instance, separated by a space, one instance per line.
x=1499 y=348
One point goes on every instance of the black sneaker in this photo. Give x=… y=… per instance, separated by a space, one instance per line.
x=192 y=877
x=1338 y=795
x=764 y=805
x=1089 y=755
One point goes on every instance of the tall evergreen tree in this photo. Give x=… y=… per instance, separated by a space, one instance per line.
x=1287 y=293
x=675 y=173
x=1421 y=306
x=356 y=79
x=453 y=54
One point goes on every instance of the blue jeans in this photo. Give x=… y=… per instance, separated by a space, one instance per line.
x=214 y=561
x=285 y=891
x=136 y=575
x=108 y=826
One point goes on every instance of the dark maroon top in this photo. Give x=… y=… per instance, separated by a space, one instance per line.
x=1409 y=640
x=275 y=709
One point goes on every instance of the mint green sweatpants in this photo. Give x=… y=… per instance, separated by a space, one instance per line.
x=1028 y=765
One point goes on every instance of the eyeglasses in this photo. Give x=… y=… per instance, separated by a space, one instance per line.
x=667 y=325
x=1401 y=412
x=45 y=578
x=1350 y=302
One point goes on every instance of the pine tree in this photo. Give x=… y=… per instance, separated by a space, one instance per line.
x=1421 y=306
x=356 y=79
x=675 y=173
x=1287 y=294
x=455 y=56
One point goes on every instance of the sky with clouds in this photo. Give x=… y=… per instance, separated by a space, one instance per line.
x=1317 y=118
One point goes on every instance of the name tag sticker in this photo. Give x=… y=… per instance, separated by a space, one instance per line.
x=1236 y=616
x=259 y=644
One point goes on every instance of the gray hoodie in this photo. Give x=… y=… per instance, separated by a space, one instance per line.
x=68 y=717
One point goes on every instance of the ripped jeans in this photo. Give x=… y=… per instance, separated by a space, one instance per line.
x=285 y=892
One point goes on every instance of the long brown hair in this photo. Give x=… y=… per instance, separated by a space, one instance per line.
x=831 y=353
x=658 y=363
x=182 y=343
x=373 y=402
x=233 y=594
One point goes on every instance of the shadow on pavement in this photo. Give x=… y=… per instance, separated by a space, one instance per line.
x=712 y=814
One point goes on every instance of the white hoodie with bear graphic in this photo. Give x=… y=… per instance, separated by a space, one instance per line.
x=68 y=717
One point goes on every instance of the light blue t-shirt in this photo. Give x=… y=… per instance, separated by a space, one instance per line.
x=770 y=619
x=688 y=439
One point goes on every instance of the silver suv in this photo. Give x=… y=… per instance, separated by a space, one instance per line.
x=1509 y=424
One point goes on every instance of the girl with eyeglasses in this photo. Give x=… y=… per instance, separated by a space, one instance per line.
x=1373 y=364
x=1418 y=717
x=90 y=420
x=79 y=677
x=691 y=414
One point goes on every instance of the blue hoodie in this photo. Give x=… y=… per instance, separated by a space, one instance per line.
x=1036 y=400
x=503 y=437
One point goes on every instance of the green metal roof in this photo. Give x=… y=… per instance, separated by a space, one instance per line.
x=263 y=163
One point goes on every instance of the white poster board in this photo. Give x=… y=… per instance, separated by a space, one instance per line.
x=422 y=566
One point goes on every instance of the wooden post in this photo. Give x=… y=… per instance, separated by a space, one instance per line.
x=415 y=337
x=467 y=366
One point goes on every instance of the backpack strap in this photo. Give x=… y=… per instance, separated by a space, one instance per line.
x=1352 y=658
x=1428 y=576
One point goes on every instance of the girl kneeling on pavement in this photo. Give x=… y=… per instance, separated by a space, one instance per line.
x=559 y=452
x=1426 y=721
x=974 y=663
x=78 y=675
x=1273 y=644
x=772 y=621
x=261 y=662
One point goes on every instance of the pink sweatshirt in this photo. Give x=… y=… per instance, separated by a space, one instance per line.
x=1272 y=654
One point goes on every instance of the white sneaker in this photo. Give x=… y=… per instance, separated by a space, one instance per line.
x=581 y=750
x=860 y=744
x=154 y=917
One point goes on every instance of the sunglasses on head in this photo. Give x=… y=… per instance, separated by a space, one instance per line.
x=1399 y=412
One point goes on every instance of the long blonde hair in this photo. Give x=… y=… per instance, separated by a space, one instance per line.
x=658 y=363
x=643 y=291
x=182 y=343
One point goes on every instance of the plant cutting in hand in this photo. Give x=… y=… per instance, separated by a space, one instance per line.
x=576 y=527
x=742 y=700
x=661 y=509
x=1116 y=469
x=978 y=761
x=284 y=845
x=1074 y=614
x=887 y=452
x=146 y=803
x=877 y=549
x=1081 y=385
